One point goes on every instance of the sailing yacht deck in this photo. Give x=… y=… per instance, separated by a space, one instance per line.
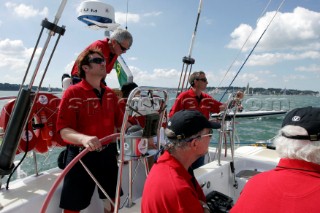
x=28 y=194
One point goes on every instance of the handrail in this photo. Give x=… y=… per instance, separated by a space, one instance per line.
x=134 y=94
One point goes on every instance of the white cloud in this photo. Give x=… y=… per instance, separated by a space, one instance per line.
x=132 y=58
x=10 y=47
x=153 y=14
x=250 y=77
x=298 y=30
x=26 y=11
x=289 y=78
x=112 y=80
x=68 y=67
x=12 y=53
x=239 y=36
x=148 y=16
x=14 y=58
x=310 y=55
x=152 y=24
x=274 y=58
x=256 y=78
x=122 y=18
x=207 y=20
x=265 y=72
x=312 y=68
x=157 y=77
x=220 y=78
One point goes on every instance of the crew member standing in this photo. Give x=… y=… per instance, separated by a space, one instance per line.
x=120 y=42
x=88 y=112
x=196 y=99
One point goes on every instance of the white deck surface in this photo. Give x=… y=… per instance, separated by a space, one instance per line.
x=27 y=195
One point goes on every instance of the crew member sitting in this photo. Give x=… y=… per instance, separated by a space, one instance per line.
x=170 y=187
x=294 y=185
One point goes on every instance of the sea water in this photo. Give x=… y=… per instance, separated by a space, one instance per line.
x=248 y=130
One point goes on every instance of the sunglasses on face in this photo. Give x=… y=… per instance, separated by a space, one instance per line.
x=210 y=133
x=123 y=49
x=202 y=79
x=97 y=60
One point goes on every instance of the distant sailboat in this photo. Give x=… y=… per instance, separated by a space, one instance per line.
x=247 y=91
x=213 y=92
x=283 y=91
x=49 y=89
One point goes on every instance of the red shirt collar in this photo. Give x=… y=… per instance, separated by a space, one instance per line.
x=302 y=165
x=85 y=85
x=193 y=94
x=166 y=157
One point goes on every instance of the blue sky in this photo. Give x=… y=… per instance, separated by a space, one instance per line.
x=288 y=55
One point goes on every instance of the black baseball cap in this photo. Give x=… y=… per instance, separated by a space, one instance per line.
x=186 y=123
x=307 y=118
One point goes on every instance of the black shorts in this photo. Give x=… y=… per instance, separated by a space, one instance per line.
x=78 y=186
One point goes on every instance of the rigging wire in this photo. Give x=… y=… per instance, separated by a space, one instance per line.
x=245 y=61
x=243 y=45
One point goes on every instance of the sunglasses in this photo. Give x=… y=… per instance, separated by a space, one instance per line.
x=97 y=60
x=202 y=79
x=206 y=135
x=210 y=134
x=122 y=47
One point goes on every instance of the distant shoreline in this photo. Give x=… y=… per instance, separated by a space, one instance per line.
x=255 y=91
x=16 y=87
x=259 y=91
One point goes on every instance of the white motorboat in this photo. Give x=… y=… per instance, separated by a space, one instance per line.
x=252 y=114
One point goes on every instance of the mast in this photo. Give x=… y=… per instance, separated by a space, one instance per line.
x=188 y=60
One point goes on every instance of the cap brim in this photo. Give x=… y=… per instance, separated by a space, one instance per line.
x=214 y=125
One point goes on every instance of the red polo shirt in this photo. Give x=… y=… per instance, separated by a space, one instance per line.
x=169 y=188
x=103 y=45
x=188 y=100
x=292 y=187
x=81 y=110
